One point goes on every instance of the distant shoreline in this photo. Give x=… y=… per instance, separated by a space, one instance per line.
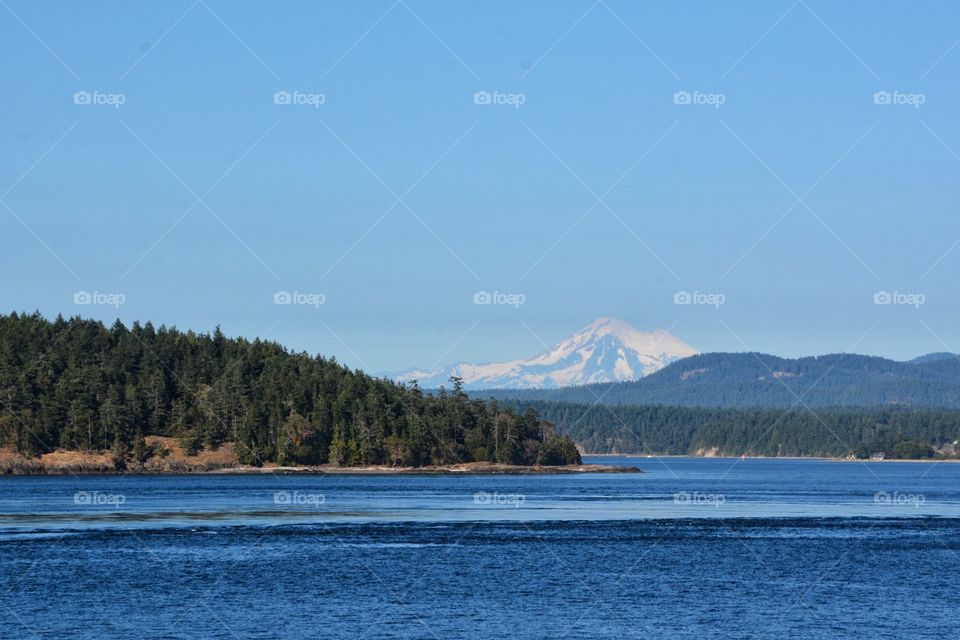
x=824 y=458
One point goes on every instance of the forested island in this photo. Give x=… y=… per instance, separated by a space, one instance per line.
x=76 y=385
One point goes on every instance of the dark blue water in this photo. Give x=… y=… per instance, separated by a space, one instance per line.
x=693 y=548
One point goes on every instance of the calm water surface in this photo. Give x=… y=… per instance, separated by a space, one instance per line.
x=693 y=548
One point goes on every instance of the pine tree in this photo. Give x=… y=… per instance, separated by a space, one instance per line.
x=119 y=452
x=140 y=450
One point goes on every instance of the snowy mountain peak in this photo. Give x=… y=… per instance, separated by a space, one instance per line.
x=611 y=325
x=606 y=350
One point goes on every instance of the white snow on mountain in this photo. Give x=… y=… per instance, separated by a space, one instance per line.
x=608 y=350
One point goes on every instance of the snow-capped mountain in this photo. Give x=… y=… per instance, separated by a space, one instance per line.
x=608 y=350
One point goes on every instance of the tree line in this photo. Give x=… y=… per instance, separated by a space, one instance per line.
x=76 y=384
x=896 y=432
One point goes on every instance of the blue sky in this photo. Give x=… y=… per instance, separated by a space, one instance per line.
x=590 y=184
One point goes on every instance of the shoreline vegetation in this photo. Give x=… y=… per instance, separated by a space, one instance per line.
x=223 y=461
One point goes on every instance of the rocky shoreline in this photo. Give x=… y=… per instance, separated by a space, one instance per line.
x=471 y=468
x=34 y=467
x=224 y=461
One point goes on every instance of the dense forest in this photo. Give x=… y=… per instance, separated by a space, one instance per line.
x=75 y=384
x=831 y=432
x=759 y=380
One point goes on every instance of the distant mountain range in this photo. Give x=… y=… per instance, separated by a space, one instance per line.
x=745 y=380
x=607 y=350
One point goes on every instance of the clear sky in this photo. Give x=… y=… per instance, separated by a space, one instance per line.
x=623 y=152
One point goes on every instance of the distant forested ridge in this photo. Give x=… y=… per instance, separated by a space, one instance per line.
x=829 y=432
x=77 y=385
x=758 y=380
